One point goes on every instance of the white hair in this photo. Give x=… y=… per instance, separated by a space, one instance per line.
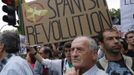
x=92 y=43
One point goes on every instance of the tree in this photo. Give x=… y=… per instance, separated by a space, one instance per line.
x=115 y=14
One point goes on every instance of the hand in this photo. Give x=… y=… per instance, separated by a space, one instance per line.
x=31 y=50
x=73 y=71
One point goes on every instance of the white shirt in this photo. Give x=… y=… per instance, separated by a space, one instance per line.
x=16 y=66
x=55 y=65
x=66 y=67
x=95 y=71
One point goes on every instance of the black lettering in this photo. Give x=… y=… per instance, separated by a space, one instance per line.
x=125 y=2
x=74 y=28
x=88 y=21
x=94 y=5
x=79 y=20
x=47 y=36
x=37 y=33
x=105 y=3
x=61 y=31
x=84 y=7
x=94 y=18
x=30 y=32
x=128 y=2
x=57 y=6
x=54 y=11
x=98 y=3
x=131 y=1
x=55 y=26
x=77 y=3
x=103 y=18
x=66 y=4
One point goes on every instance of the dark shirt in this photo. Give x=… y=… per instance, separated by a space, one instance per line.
x=4 y=61
x=130 y=53
x=118 y=68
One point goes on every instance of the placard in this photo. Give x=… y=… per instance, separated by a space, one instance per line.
x=48 y=21
x=127 y=15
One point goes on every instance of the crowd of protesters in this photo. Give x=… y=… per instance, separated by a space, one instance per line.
x=110 y=54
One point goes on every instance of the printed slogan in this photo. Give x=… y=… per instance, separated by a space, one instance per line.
x=48 y=21
x=127 y=15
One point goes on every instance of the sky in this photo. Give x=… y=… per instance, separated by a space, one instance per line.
x=113 y=4
x=3 y=26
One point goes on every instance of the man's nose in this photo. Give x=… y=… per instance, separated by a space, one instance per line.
x=74 y=52
x=116 y=40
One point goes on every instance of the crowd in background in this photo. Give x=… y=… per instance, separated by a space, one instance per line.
x=106 y=54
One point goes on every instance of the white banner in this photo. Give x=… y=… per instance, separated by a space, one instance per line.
x=127 y=15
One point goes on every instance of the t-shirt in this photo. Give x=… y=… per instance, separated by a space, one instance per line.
x=16 y=66
x=118 y=68
x=130 y=53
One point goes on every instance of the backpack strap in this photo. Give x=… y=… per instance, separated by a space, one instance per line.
x=102 y=63
x=133 y=64
x=62 y=65
x=129 y=61
x=99 y=65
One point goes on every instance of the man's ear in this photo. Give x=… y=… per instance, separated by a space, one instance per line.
x=94 y=54
x=1 y=47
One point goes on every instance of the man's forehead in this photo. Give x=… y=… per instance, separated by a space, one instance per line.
x=130 y=34
x=110 y=32
x=79 y=43
x=67 y=48
x=80 y=39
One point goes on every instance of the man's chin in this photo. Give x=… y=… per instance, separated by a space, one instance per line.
x=76 y=65
x=116 y=52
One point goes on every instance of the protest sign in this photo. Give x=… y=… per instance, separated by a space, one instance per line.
x=127 y=15
x=48 y=21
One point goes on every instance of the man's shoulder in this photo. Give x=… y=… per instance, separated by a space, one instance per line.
x=103 y=62
x=17 y=60
x=101 y=72
x=130 y=53
x=16 y=65
x=124 y=57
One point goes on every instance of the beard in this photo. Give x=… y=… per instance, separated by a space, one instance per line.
x=114 y=51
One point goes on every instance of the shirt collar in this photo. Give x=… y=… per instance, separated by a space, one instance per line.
x=4 y=61
x=91 y=71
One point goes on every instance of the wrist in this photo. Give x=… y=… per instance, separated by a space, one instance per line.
x=35 y=53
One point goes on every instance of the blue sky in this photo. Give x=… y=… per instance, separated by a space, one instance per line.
x=111 y=4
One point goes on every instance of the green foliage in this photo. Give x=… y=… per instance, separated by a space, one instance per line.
x=115 y=12
x=115 y=15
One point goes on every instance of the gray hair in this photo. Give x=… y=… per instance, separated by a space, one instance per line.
x=11 y=41
x=91 y=42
